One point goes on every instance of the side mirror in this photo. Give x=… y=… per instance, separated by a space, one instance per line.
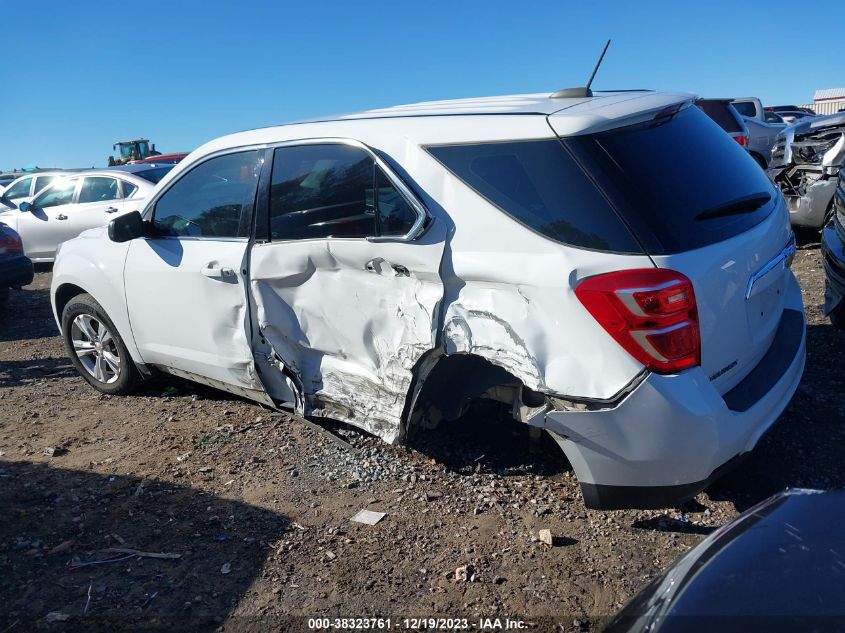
x=127 y=227
x=26 y=206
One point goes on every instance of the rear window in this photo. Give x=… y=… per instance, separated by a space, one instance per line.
x=745 y=108
x=722 y=113
x=679 y=182
x=540 y=185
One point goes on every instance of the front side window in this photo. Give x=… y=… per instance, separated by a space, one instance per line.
x=334 y=191
x=59 y=193
x=214 y=199
x=98 y=189
x=18 y=190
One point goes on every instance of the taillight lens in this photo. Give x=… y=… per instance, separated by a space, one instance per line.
x=10 y=244
x=650 y=312
x=742 y=140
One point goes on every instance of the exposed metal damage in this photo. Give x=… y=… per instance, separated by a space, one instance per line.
x=805 y=164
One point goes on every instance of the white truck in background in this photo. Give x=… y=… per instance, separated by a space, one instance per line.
x=763 y=128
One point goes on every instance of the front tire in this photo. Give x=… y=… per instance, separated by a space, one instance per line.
x=96 y=349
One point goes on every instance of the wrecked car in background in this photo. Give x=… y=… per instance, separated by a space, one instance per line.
x=565 y=255
x=806 y=161
x=833 y=258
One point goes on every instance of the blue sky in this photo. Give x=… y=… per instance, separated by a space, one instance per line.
x=81 y=75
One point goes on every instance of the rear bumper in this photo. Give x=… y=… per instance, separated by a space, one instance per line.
x=833 y=258
x=15 y=271
x=673 y=435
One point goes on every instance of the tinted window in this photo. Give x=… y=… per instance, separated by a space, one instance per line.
x=128 y=188
x=539 y=184
x=745 y=108
x=155 y=174
x=18 y=190
x=395 y=215
x=322 y=191
x=43 y=181
x=664 y=176
x=722 y=113
x=59 y=193
x=98 y=189
x=211 y=200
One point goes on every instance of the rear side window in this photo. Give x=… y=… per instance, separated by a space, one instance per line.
x=679 y=181
x=334 y=191
x=745 y=108
x=97 y=189
x=722 y=113
x=128 y=188
x=212 y=200
x=540 y=185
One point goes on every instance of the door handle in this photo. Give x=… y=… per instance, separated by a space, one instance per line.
x=61 y=216
x=381 y=266
x=111 y=210
x=217 y=272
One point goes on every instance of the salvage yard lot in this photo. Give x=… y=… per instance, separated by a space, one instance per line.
x=257 y=503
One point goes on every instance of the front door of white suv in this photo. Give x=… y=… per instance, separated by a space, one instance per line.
x=346 y=284
x=185 y=285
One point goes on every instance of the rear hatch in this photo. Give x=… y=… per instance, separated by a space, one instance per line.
x=699 y=205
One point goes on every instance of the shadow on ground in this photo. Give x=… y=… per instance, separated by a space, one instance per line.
x=488 y=439
x=57 y=523
x=27 y=315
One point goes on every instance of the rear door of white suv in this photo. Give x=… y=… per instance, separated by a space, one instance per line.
x=345 y=280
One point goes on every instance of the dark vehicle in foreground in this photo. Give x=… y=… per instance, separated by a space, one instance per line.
x=806 y=161
x=779 y=566
x=833 y=257
x=15 y=267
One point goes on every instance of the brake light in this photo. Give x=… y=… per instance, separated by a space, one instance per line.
x=10 y=244
x=650 y=312
x=742 y=139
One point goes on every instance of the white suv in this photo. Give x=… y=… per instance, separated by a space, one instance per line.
x=614 y=267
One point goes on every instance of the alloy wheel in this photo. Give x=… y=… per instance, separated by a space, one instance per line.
x=96 y=348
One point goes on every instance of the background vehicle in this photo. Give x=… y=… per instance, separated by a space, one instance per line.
x=25 y=187
x=436 y=226
x=132 y=150
x=833 y=258
x=161 y=159
x=761 y=139
x=152 y=172
x=15 y=268
x=71 y=205
x=806 y=160
x=776 y=567
x=752 y=108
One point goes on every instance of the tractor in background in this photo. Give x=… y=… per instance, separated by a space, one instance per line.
x=129 y=151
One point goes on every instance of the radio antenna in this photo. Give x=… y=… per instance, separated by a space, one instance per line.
x=574 y=93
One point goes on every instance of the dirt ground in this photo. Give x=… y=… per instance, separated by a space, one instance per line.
x=255 y=506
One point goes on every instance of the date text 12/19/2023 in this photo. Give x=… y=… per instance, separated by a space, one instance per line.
x=417 y=624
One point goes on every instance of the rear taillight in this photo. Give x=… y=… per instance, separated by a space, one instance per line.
x=10 y=244
x=650 y=312
x=742 y=139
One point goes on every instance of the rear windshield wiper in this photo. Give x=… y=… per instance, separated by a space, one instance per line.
x=746 y=204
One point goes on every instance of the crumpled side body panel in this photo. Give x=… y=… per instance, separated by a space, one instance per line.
x=350 y=336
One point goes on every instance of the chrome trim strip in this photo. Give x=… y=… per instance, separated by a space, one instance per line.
x=786 y=253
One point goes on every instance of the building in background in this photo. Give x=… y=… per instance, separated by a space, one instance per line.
x=828 y=101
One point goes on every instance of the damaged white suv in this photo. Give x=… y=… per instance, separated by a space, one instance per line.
x=613 y=266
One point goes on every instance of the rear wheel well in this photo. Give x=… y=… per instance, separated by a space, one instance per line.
x=64 y=294
x=455 y=381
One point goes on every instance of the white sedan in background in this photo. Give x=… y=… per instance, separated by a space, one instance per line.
x=73 y=204
x=25 y=187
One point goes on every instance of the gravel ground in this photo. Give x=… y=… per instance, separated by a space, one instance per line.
x=254 y=506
